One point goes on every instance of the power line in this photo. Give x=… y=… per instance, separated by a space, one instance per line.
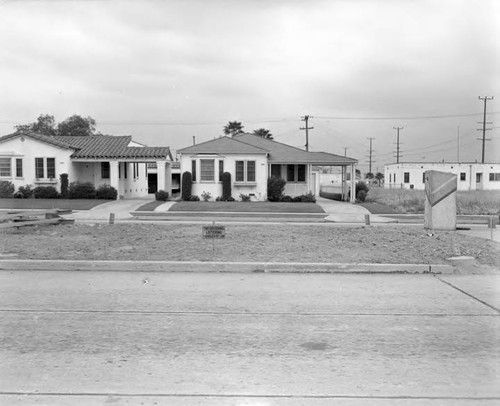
x=484 y=129
x=429 y=117
x=370 y=156
x=307 y=128
x=397 y=143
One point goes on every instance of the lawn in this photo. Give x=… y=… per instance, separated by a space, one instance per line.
x=41 y=204
x=483 y=202
x=255 y=207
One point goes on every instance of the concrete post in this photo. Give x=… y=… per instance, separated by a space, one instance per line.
x=353 y=185
x=160 y=169
x=114 y=179
x=440 y=201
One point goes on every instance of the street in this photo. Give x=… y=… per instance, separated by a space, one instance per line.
x=136 y=338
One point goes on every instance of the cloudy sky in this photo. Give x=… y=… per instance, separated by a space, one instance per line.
x=165 y=71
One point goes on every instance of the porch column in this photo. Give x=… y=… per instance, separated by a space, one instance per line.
x=160 y=170
x=353 y=185
x=168 y=178
x=114 y=179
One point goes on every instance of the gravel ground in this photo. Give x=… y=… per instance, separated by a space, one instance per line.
x=267 y=243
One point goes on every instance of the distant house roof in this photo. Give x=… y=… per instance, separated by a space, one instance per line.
x=99 y=146
x=223 y=145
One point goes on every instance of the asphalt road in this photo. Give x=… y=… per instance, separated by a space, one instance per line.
x=90 y=338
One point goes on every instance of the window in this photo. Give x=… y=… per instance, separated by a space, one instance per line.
x=296 y=173
x=423 y=177
x=240 y=171
x=193 y=170
x=462 y=176
x=136 y=171
x=51 y=168
x=221 y=170
x=479 y=177
x=301 y=173
x=245 y=171
x=406 y=177
x=105 y=170
x=390 y=178
x=125 y=170
x=207 y=170
x=276 y=171
x=290 y=173
x=250 y=171
x=5 y=167
x=39 y=170
x=494 y=177
x=19 y=168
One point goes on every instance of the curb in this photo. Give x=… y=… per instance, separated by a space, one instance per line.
x=221 y=267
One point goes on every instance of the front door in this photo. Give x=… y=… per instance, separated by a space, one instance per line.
x=479 y=181
x=152 y=183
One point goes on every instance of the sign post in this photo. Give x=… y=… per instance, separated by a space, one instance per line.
x=213 y=232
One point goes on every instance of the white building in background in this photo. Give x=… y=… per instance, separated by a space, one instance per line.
x=470 y=176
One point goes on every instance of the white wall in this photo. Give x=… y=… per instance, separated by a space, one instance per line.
x=394 y=175
x=28 y=149
x=258 y=188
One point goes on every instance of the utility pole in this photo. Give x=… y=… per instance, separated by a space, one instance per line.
x=345 y=150
x=484 y=129
x=458 y=144
x=370 y=156
x=397 y=143
x=307 y=128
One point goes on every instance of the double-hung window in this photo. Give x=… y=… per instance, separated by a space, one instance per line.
x=5 y=169
x=207 y=170
x=105 y=170
x=19 y=168
x=39 y=168
x=295 y=173
x=221 y=169
x=245 y=171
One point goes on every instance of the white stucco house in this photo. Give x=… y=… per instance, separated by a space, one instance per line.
x=28 y=158
x=470 y=176
x=251 y=160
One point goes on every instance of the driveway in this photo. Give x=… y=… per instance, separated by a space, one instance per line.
x=344 y=212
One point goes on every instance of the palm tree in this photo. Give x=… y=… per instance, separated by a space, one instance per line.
x=262 y=132
x=380 y=177
x=233 y=128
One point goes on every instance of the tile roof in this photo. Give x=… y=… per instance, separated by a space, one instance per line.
x=283 y=153
x=223 y=145
x=39 y=137
x=99 y=146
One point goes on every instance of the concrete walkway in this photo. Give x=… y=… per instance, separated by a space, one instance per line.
x=120 y=208
x=344 y=212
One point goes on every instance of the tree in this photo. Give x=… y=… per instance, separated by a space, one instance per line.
x=369 y=175
x=77 y=126
x=45 y=124
x=380 y=177
x=262 y=132
x=233 y=128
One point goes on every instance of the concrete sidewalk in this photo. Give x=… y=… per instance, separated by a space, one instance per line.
x=344 y=212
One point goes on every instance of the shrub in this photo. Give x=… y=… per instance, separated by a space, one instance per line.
x=308 y=198
x=296 y=199
x=64 y=185
x=230 y=199
x=161 y=195
x=361 y=196
x=24 y=192
x=6 y=189
x=194 y=198
x=187 y=184
x=45 y=192
x=226 y=186
x=218 y=199
x=84 y=190
x=286 y=199
x=362 y=190
x=244 y=198
x=206 y=196
x=275 y=189
x=106 y=192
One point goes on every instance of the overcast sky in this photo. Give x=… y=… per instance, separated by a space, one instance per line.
x=165 y=71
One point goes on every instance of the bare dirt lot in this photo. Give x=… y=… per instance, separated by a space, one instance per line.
x=267 y=243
